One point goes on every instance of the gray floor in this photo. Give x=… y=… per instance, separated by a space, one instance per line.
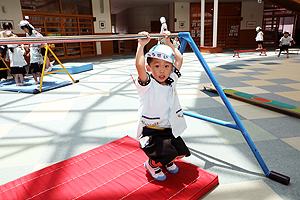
x=39 y=130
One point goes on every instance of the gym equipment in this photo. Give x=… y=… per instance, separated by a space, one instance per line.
x=112 y=171
x=10 y=85
x=73 y=68
x=262 y=51
x=277 y=106
x=82 y=38
x=185 y=38
x=7 y=68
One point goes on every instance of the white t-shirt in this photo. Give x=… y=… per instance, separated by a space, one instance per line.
x=286 y=41
x=16 y=58
x=164 y=27
x=35 y=55
x=159 y=106
x=259 y=36
x=176 y=43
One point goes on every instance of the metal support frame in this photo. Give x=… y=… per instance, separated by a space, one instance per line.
x=184 y=38
x=7 y=68
x=44 y=66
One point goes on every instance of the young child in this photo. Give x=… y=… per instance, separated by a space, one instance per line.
x=163 y=27
x=176 y=42
x=161 y=120
x=3 y=50
x=259 y=37
x=16 y=56
x=36 y=58
x=285 y=42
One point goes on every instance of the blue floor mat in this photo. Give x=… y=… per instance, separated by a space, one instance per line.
x=73 y=68
x=10 y=85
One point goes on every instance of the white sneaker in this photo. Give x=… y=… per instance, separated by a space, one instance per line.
x=155 y=172
x=172 y=168
x=50 y=67
x=36 y=83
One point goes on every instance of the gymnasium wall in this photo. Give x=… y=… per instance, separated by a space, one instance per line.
x=11 y=10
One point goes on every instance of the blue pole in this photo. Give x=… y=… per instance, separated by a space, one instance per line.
x=186 y=36
x=183 y=43
x=213 y=120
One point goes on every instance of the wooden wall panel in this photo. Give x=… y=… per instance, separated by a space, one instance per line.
x=247 y=38
x=107 y=48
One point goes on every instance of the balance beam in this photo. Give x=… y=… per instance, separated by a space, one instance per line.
x=81 y=38
x=262 y=51
x=277 y=106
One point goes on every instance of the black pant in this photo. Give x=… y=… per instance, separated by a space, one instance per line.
x=3 y=73
x=163 y=147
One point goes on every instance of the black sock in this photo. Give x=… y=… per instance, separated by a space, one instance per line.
x=150 y=163
x=170 y=164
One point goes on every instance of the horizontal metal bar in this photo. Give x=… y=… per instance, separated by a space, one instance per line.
x=80 y=38
x=213 y=120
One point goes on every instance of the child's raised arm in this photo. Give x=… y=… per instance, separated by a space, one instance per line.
x=140 y=57
x=178 y=56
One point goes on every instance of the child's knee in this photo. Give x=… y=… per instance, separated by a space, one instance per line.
x=179 y=157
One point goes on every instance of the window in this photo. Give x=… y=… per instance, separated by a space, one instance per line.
x=78 y=7
x=49 y=6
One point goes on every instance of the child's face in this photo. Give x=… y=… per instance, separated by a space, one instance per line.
x=8 y=31
x=286 y=35
x=160 y=69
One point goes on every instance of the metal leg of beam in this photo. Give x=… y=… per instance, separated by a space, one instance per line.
x=43 y=69
x=238 y=122
x=7 y=68
x=182 y=45
x=62 y=65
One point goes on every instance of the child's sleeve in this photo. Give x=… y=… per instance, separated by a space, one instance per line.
x=143 y=87
x=37 y=34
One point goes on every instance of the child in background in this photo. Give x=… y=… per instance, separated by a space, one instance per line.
x=36 y=58
x=16 y=56
x=163 y=27
x=285 y=42
x=259 y=37
x=49 y=65
x=3 y=50
x=161 y=120
x=176 y=42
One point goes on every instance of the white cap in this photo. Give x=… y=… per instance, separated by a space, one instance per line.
x=25 y=23
x=163 y=20
x=258 y=28
x=162 y=52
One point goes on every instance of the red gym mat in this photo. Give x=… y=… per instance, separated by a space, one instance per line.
x=112 y=171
